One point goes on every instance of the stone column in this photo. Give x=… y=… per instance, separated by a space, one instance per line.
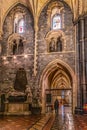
x=77 y=67
x=81 y=59
x=85 y=59
x=81 y=65
x=1 y=30
x=35 y=49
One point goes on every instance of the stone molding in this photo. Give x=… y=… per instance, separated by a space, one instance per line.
x=60 y=10
x=55 y=34
x=10 y=40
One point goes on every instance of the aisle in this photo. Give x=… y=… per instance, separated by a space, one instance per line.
x=63 y=123
x=63 y=120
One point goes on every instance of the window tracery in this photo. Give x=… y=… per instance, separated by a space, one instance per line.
x=59 y=44
x=52 y=45
x=56 y=22
x=56 y=41
x=55 y=44
x=56 y=16
x=16 y=40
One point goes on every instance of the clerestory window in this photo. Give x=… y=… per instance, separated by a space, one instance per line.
x=56 y=22
x=18 y=23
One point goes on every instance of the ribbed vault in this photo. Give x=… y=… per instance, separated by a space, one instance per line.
x=59 y=78
x=57 y=75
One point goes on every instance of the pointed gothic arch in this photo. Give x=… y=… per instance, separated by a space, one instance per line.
x=51 y=67
x=14 y=5
x=48 y=1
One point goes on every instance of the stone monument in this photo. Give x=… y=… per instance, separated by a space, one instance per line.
x=17 y=98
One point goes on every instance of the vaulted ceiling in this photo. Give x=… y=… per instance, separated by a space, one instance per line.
x=78 y=7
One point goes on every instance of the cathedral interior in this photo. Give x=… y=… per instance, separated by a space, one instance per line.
x=43 y=58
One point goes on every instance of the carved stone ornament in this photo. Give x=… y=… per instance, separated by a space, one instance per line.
x=15 y=43
x=54 y=35
x=59 y=9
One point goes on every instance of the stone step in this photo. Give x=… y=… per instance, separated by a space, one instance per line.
x=41 y=123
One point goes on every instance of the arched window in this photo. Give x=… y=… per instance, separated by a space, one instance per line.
x=18 y=23
x=16 y=44
x=52 y=45
x=59 y=44
x=55 y=44
x=21 y=26
x=56 y=22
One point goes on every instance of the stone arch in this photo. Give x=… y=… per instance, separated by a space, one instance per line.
x=12 y=6
x=27 y=24
x=47 y=2
x=59 y=11
x=56 y=34
x=44 y=81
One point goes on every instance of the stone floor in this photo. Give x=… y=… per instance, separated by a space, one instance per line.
x=50 y=121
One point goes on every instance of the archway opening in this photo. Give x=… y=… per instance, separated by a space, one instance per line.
x=57 y=81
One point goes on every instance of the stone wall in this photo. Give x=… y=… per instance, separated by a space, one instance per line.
x=68 y=53
x=10 y=66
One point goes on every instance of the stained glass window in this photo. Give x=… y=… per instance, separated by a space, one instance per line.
x=19 y=23
x=21 y=26
x=56 y=22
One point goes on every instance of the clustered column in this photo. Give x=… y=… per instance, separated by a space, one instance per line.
x=82 y=62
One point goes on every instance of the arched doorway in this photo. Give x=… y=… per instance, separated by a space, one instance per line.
x=58 y=81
